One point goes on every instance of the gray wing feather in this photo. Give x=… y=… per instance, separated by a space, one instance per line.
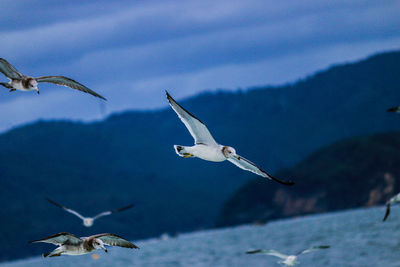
x=247 y=165
x=65 y=208
x=196 y=127
x=60 y=239
x=8 y=70
x=114 y=240
x=65 y=81
x=109 y=212
x=268 y=252
x=312 y=249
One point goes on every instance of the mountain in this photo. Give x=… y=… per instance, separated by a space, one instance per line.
x=356 y=172
x=129 y=157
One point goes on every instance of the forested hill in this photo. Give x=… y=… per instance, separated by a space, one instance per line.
x=356 y=172
x=129 y=157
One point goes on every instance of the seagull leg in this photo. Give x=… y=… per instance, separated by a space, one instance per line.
x=12 y=90
x=187 y=155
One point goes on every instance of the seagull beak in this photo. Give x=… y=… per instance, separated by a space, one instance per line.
x=37 y=90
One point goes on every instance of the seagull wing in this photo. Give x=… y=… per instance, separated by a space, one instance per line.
x=114 y=240
x=387 y=211
x=268 y=252
x=250 y=166
x=61 y=80
x=65 y=208
x=312 y=249
x=105 y=213
x=196 y=127
x=60 y=239
x=8 y=70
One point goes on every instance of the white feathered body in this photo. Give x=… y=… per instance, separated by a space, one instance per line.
x=17 y=84
x=290 y=261
x=205 y=152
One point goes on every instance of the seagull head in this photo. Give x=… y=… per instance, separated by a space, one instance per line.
x=32 y=85
x=88 y=222
x=228 y=151
x=98 y=244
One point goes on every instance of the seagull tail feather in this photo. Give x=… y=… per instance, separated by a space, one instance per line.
x=182 y=152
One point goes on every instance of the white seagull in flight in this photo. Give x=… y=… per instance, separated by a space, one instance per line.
x=88 y=221
x=206 y=148
x=393 y=200
x=22 y=82
x=69 y=244
x=288 y=260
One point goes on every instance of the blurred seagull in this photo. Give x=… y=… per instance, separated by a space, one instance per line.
x=207 y=148
x=393 y=200
x=69 y=244
x=22 y=82
x=88 y=221
x=288 y=260
x=394 y=109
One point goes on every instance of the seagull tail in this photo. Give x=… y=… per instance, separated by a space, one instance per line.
x=182 y=152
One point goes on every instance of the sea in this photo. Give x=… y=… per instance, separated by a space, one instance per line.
x=357 y=238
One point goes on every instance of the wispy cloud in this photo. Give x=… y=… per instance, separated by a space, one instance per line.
x=131 y=51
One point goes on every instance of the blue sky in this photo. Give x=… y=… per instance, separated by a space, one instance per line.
x=131 y=51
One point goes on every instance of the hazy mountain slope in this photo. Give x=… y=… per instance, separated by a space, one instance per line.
x=129 y=157
x=356 y=172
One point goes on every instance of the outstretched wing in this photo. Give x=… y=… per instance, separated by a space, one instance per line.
x=105 y=213
x=60 y=239
x=250 y=166
x=313 y=249
x=196 y=127
x=65 y=81
x=8 y=70
x=65 y=208
x=387 y=211
x=268 y=252
x=114 y=240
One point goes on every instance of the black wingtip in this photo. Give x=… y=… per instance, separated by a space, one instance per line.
x=288 y=183
x=54 y=203
x=253 y=251
x=169 y=97
x=387 y=212
x=124 y=208
x=394 y=109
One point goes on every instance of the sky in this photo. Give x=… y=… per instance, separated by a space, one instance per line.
x=132 y=51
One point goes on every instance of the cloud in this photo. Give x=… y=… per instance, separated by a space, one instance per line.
x=130 y=51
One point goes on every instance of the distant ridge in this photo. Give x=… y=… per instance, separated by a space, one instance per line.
x=356 y=172
x=129 y=157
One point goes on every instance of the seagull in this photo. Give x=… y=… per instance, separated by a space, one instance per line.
x=88 y=221
x=22 y=82
x=288 y=260
x=69 y=244
x=206 y=148
x=394 y=109
x=393 y=200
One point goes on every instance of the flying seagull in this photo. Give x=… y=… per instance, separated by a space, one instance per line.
x=22 y=82
x=288 y=260
x=394 y=109
x=88 y=221
x=393 y=200
x=69 y=244
x=206 y=148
